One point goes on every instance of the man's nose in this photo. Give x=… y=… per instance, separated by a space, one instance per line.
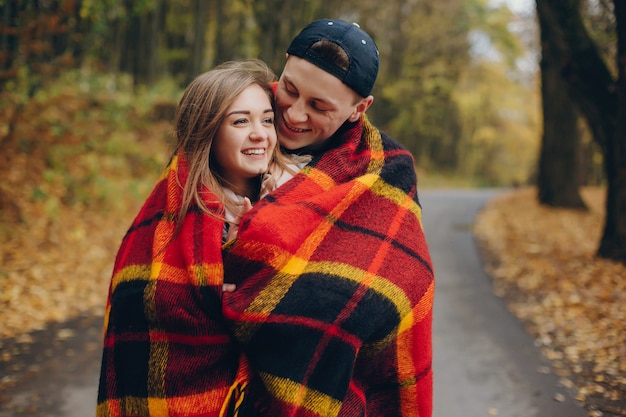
x=297 y=112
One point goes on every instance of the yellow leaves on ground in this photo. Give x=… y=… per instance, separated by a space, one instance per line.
x=75 y=168
x=542 y=261
x=53 y=271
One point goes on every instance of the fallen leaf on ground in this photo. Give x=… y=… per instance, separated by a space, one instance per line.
x=543 y=263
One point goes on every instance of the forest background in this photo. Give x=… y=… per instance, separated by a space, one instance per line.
x=88 y=90
x=458 y=84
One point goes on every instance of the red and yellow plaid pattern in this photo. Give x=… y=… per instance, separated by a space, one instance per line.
x=335 y=287
x=167 y=351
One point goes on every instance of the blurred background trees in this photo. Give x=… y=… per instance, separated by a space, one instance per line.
x=449 y=69
x=460 y=84
x=584 y=70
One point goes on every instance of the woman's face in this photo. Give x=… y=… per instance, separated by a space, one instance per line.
x=246 y=138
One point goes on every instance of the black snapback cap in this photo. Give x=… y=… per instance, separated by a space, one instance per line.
x=358 y=45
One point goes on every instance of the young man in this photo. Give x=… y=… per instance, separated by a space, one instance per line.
x=333 y=307
x=321 y=86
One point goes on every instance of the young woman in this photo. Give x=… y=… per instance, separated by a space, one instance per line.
x=166 y=348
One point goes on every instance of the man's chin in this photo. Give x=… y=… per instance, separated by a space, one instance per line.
x=289 y=142
x=288 y=146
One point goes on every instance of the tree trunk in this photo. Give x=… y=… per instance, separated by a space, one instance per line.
x=175 y=42
x=222 y=44
x=127 y=29
x=558 y=179
x=613 y=243
x=9 y=42
x=278 y=21
x=602 y=103
x=144 y=35
x=198 y=48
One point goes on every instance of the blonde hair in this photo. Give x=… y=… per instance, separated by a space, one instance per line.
x=200 y=113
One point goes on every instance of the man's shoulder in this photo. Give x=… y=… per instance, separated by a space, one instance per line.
x=391 y=143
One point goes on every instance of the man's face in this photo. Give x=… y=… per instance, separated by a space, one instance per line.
x=311 y=104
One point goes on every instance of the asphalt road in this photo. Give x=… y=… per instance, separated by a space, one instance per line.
x=485 y=364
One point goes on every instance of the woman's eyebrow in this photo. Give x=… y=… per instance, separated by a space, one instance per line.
x=268 y=110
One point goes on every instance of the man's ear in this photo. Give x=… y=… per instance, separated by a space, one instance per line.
x=361 y=107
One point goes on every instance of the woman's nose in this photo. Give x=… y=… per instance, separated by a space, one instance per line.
x=259 y=132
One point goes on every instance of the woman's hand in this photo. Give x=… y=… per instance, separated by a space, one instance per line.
x=234 y=227
x=232 y=233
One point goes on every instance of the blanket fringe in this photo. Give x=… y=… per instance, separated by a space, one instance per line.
x=237 y=391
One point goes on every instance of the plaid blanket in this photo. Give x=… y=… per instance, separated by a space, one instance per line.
x=335 y=286
x=167 y=351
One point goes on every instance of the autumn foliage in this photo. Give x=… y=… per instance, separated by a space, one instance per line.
x=543 y=264
x=75 y=164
